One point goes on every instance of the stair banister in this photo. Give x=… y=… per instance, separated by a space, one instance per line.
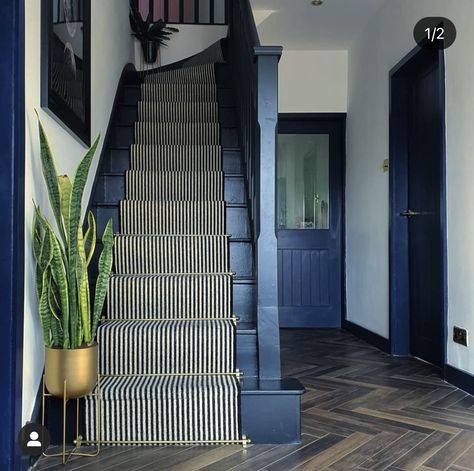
x=256 y=86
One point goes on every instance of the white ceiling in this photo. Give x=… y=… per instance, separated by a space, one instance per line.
x=296 y=24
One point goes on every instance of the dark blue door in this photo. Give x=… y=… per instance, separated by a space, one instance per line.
x=424 y=232
x=309 y=220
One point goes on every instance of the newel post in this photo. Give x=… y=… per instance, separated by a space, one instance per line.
x=267 y=58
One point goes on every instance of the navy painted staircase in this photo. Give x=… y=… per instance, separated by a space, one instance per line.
x=110 y=190
x=269 y=409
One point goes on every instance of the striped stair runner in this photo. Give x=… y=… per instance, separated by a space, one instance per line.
x=167 y=347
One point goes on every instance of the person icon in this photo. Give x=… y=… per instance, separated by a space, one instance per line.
x=34 y=442
x=34 y=439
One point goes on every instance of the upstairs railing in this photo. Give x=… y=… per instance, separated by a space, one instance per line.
x=255 y=71
x=202 y=12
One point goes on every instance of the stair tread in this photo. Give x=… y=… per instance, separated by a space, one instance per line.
x=246 y=328
x=117 y=204
x=158 y=275
x=244 y=280
x=150 y=387
x=121 y=174
x=284 y=386
x=157 y=236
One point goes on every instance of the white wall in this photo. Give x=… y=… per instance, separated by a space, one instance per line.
x=112 y=48
x=313 y=81
x=386 y=40
x=190 y=40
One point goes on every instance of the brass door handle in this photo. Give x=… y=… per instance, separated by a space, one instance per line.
x=409 y=213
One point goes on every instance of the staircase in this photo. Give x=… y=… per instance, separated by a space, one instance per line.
x=173 y=185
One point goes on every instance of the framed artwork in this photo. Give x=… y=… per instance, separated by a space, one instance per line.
x=65 y=63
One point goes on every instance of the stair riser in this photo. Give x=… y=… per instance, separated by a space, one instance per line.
x=132 y=95
x=112 y=189
x=193 y=75
x=244 y=301
x=179 y=93
x=169 y=297
x=151 y=303
x=182 y=409
x=118 y=160
x=128 y=114
x=172 y=217
x=174 y=347
x=241 y=260
x=161 y=258
x=232 y=161
x=169 y=255
x=157 y=112
x=124 y=136
x=174 y=186
x=237 y=223
x=247 y=354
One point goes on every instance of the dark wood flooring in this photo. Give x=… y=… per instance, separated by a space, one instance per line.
x=363 y=410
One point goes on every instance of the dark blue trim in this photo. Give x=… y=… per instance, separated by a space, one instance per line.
x=12 y=236
x=460 y=379
x=444 y=206
x=370 y=337
x=399 y=297
x=338 y=123
x=259 y=401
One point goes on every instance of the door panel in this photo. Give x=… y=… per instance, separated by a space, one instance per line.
x=425 y=243
x=309 y=222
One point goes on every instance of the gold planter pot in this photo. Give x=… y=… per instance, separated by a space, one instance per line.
x=77 y=367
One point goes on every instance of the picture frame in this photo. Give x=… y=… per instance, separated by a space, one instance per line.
x=66 y=63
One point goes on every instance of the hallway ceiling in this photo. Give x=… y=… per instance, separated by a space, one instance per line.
x=296 y=24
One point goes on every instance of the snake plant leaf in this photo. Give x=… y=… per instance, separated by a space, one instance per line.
x=56 y=333
x=38 y=240
x=83 y=285
x=78 y=185
x=83 y=324
x=38 y=234
x=50 y=176
x=105 y=268
x=44 y=308
x=80 y=329
x=81 y=252
x=58 y=271
x=46 y=251
x=84 y=303
x=65 y=189
x=90 y=238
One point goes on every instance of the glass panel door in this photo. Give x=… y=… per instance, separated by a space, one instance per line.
x=309 y=220
x=303 y=181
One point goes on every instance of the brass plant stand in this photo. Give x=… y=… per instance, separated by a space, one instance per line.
x=78 y=442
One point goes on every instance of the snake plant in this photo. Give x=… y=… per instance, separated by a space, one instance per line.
x=68 y=318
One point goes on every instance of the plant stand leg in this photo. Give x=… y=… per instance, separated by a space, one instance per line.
x=66 y=454
x=64 y=420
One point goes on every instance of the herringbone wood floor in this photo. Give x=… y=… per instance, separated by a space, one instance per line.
x=363 y=410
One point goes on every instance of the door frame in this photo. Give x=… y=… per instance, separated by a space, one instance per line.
x=399 y=309
x=12 y=237
x=338 y=119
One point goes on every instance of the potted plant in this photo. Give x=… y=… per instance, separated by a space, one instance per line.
x=69 y=320
x=151 y=34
